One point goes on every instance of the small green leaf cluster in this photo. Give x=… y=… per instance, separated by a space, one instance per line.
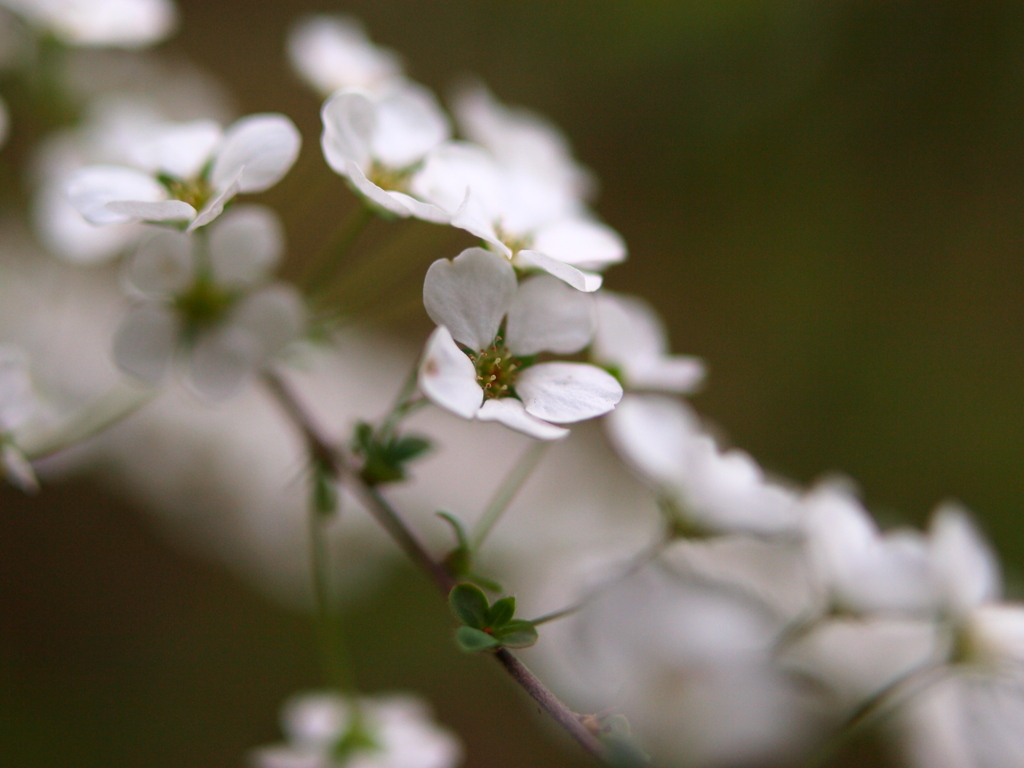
x=488 y=626
x=385 y=456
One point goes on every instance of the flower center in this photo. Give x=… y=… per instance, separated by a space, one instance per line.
x=196 y=192
x=203 y=305
x=515 y=243
x=391 y=179
x=496 y=370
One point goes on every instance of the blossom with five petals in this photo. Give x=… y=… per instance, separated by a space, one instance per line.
x=207 y=297
x=476 y=303
x=184 y=174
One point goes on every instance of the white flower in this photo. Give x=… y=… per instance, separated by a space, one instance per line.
x=378 y=140
x=516 y=136
x=717 y=491
x=859 y=570
x=469 y=297
x=210 y=300
x=521 y=212
x=100 y=23
x=185 y=173
x=630 y=340
x=17 y=406
x=325 y=731
x=331 y=52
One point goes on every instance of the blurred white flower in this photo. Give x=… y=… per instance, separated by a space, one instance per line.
x=17 y=407
x=211 y=300
x=377 y=140
x=713 y=490
x=469 y=297
x=325 y=730
x=630 y=340
x=185 y=173
x=517 y=136
x=857 y=569
x=331 y=52
x=100 y=23
x=525 y=213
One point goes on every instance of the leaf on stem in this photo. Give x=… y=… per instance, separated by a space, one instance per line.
x=470 y=606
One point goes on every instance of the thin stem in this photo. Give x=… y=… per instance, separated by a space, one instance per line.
x=111 y=408
x=332 y=646
x=318 y=280
x=638 y=562
x=389 y=519
x=870 y=710
x=405 y=401
x=506 y=492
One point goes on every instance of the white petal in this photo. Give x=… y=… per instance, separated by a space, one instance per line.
x=146 y=340
x=589 y=245
x=389 y=201
x=91 y=189
x=215 y=205
x=349 y=119
x=17 y=401
x=628 y=330
x=107 y=23
x=409 y=124
x=448 y=377
x=581 y=281
x=180 y=150
x=157 y=212
x=653 y=434
x=469 y=295
x=548 y=316
x=567 y=392
x=223 y=360
x=17 y=469
x=245 y=245
x=675 y=373
x=333 y=52
x=163 y=265
x=275 y=316
x=315 y=721
x=967 y=568
x=450 y=170
x=512 y=414
x=260 y=147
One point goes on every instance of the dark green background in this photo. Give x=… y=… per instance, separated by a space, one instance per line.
x=824 y=199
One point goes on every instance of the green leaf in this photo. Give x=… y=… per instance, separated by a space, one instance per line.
x=502 y=612
x=408 y=448
x=474 y=640
x=363 y=437
x=489 y=584
x=325 y=492
x=470 y=606
x=517 y=634
x=456 y=524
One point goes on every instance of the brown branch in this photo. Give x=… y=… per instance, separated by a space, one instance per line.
x=332 y=458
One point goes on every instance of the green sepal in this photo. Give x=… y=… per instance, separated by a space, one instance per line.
x=502 y=612
x=456 y=524
x=517 y=633
x=385 y=457
x=470 y=606
x=482 y=581
x=473 y=640
x=624 y=750
x=407 y=448
x=325 y=491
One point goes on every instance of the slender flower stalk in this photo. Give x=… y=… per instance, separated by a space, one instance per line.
x=506 y=493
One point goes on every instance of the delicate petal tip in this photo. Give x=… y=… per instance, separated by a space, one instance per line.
x=331 y=52
x=448 y=377
x=91 y=190
x=469 y=295
x=512 y=414
x=547 y=315
x=577 y=278
x=258 y=150
x=967 y=568
x=567 y=392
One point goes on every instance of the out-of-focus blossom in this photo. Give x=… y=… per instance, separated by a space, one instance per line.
x=378 y=141
x=325 y=730
x=691 y=668
x=100 y=23
x=630 y=340
x=517 y=136
x=17 y=406
x=858 y=570
x=712 y=490
x=475 y=301
x=184 y=174
x=522 y=212
x=331 y=52
x=210 y=299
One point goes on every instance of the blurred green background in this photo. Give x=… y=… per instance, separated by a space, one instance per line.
x=824 y=199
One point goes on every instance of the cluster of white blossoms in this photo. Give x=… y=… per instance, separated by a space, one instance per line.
x=761 y=622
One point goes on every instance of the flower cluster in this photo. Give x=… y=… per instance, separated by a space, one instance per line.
x=761 y=620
